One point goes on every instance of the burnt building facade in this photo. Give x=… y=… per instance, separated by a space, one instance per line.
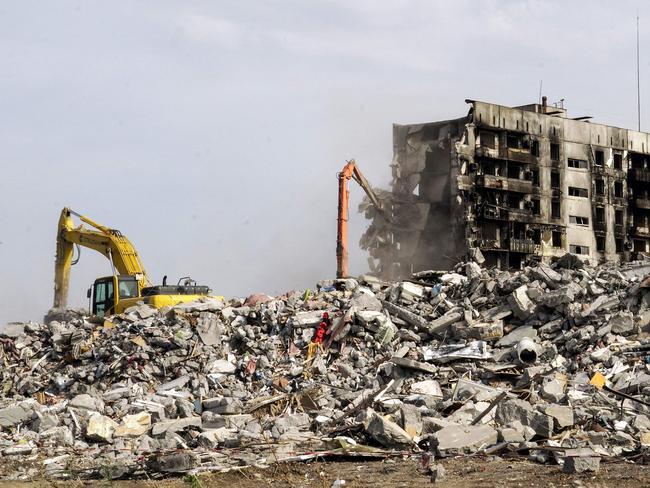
x=511 y=185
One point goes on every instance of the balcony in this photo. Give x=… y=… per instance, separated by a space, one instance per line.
x=526 y=246
x=487 y=152
x=641 y=202
x=490 y=245
x=637 y=174
x=519 y=155
x=507 y=184
x=640 y=231
x=493 y=212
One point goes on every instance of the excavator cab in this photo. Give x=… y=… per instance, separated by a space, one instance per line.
x=104 y=298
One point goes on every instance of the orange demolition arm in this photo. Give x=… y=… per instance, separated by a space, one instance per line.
x=350 y=170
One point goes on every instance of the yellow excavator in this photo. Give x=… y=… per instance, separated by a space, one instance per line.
x=129 y=283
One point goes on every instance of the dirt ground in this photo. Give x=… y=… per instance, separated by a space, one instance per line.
x=460 y=473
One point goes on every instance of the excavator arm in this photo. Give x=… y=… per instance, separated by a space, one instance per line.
x=350 y=171
x=109 y=242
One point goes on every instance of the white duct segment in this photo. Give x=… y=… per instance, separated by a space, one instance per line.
x=527 y=351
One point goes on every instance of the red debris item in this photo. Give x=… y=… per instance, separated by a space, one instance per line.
x=323 y=329
x=251 y=366
x=293 y=350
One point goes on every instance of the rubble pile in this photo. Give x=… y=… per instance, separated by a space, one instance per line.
x=467 y=361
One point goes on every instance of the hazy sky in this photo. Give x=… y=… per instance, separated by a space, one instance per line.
x=210 y=132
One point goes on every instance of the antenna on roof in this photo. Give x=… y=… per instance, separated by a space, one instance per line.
x=540 y=91
x=638 y=76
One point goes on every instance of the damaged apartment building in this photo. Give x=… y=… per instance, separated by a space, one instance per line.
x=511 y=185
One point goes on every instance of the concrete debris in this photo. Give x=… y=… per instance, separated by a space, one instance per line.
x=100 y=428
x=581 y=461
x=435 y=364
x=386 y=432
x=427 y=387
x=463 y=439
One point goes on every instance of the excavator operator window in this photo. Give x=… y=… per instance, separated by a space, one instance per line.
x=103 y=298
x=128 y=287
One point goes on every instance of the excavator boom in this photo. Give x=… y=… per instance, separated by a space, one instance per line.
x=109 y=242
x=350 y=171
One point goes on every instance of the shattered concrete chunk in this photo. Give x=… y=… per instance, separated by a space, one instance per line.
x=100 y=428
x=562 y=415
x=522 y=306
x=134 y=425
x=174 y=463
x=521 y=411
x=16 y=414
x=427 y=387
x=581 y=463
x=176 y=425
x=463 y=439
x=386 y=432
x=622 y=323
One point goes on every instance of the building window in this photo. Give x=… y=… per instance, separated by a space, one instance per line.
x=618 y=217
x=555 y=151
x=556 y=238
x=536 y=206
x=534 y=148
x=555 y=179
x=535 y=177
x=512 y=140
x=575 y=219
x=600 y=187
x=577 y=163
x=618 y=189
x=487 y=140
x=555 y=209
x=600 y=214
x=514 y=171
x=578 y=249
x=600 y=243
x=619 y=245
x=578 y=192
x=618 y=161
x=600 y=158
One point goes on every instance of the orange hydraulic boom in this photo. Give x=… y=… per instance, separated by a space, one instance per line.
x=350 y=170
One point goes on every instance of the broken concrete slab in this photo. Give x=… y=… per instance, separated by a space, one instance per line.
x=463 y=439
x=427 y=387
x=622 y=323
x=521 y=411
x=176 y=425
x=100 y=427
x=578 y=462
x=16 y=414
x=522 y=306
x=384 y=431
x=412 y=364
x=134 y=425
x=562 y=415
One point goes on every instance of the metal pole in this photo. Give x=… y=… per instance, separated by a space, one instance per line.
x=638 y=76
